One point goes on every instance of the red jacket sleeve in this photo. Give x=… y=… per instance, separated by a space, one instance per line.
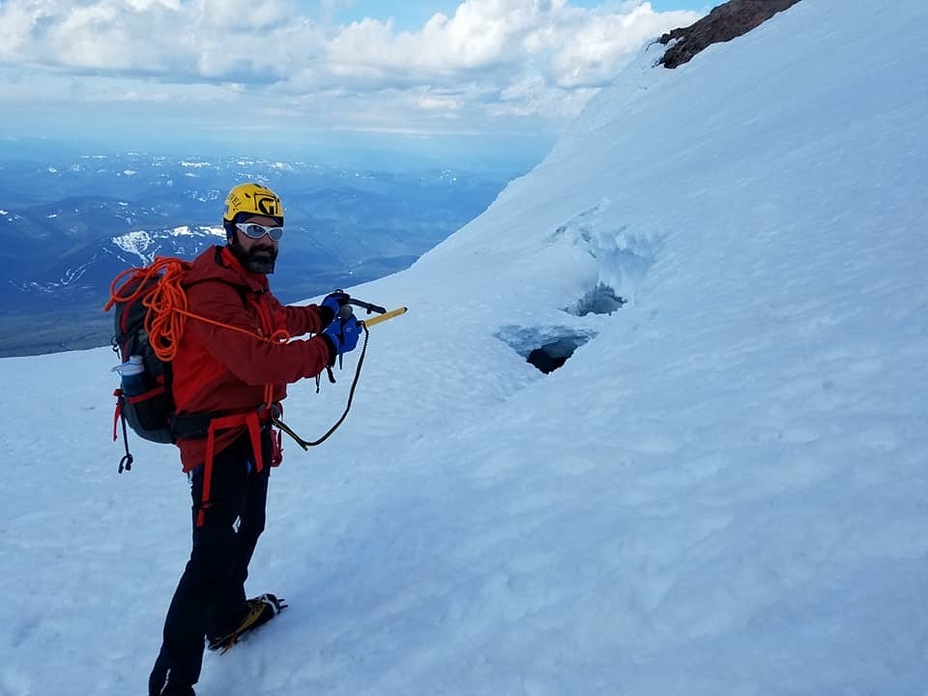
x=254 y=360
x=297 y=320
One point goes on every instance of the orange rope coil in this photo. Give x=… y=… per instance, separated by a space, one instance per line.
x=167 y=305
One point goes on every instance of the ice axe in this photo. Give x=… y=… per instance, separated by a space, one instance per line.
x=384 y=315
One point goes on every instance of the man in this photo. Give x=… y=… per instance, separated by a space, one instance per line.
x=230 y=372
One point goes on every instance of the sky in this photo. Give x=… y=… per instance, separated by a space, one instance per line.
x=412 y=14
x=242 y=75
x=721 y=492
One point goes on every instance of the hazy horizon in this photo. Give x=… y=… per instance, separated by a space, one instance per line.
x=510 y=155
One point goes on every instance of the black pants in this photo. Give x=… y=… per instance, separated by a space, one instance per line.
x=210 y=597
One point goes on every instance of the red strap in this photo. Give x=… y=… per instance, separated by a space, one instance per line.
x=145 y=396
x=277 y=454
x=253 y=424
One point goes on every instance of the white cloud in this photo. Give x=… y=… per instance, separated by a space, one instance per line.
x=442 y=103
x=495 y=57
x=599 y=47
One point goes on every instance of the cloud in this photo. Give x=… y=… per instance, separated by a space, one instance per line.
x=499 y=58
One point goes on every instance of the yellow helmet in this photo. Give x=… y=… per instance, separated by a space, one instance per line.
x=252 y=199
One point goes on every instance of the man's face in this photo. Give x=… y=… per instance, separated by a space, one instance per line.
x=257 y=255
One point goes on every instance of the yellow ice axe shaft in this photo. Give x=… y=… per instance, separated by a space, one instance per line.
x=383 y=317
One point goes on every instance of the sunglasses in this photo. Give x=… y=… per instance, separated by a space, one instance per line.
x=253 y=230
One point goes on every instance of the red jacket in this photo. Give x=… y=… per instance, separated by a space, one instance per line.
x=221 y=369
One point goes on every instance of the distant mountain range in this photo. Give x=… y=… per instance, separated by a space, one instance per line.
x=68 y=227
x=79 y=275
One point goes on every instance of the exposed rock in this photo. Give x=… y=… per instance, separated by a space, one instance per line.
x=724 y=23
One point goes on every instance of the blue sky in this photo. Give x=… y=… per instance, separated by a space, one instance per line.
x=227 y=74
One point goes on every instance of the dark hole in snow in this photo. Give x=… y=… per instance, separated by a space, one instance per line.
x=547 y=348
x=600 y=300
x=551 y=356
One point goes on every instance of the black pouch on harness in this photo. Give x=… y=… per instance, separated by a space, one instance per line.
x=192 y=426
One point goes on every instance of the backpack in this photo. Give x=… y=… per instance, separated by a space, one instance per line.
x=140 y=296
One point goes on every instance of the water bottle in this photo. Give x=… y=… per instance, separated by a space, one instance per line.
x=133 y=376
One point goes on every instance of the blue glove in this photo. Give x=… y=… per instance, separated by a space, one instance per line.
x=334 y=302
x=343 y=334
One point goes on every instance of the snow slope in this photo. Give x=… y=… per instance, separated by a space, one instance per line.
x=721 y=492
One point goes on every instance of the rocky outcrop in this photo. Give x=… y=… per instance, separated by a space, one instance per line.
x=724 y=23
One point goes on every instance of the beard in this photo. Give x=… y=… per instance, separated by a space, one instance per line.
x=259 y=259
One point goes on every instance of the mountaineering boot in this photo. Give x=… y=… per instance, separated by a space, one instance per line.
x=260 y=610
